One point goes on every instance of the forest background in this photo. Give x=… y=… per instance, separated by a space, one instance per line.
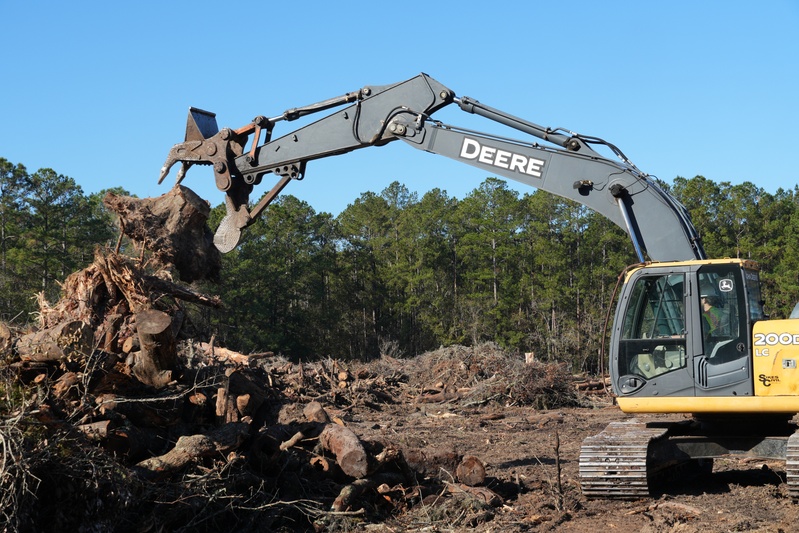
x=398 y=274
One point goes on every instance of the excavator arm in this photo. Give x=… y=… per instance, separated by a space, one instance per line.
x=565 y=164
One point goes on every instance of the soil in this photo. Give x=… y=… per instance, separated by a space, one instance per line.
x=519 y=448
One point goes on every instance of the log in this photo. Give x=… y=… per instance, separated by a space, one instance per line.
x=483 y=494
x=156 y=284
x=67 y=339
x=471 y=471
x=96 y=431
x=131 y=344
x=158 y=356
x=189 y=448
x=111 y=326
x=133 y=443
x=350 y=495
x=240 y=384
x=173 y=227
x=314 y=412
x=67 y=385
x=226 y=411
x=432 y=461
x=224 y=354
x=347 y=448
x=293 y=441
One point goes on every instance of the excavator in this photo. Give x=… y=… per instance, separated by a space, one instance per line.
x=689 y=336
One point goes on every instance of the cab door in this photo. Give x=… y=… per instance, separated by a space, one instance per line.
x=723 y=361
x=650 y=342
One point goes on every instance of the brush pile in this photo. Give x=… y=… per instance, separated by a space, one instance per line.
x=114 y=418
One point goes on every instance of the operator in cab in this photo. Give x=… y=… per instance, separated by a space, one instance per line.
x=711 y=314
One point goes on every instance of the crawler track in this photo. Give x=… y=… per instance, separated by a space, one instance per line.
x=613 y=464
x=792 y=466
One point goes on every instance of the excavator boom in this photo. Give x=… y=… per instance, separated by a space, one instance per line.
x=557 y=161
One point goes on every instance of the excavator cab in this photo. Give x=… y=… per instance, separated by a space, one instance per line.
x=683 y=332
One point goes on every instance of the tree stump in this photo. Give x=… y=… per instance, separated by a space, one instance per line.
x=158 y=355
x=174 y=228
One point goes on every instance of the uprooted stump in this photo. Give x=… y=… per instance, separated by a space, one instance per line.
x=173 y=227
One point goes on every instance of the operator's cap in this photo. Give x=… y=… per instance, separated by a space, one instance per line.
x=707 y=290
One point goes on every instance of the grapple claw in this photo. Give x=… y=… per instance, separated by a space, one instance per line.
x=227 y=235
x=229 y=231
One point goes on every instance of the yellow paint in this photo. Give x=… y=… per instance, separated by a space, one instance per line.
x=775 y=350
x=713 y=404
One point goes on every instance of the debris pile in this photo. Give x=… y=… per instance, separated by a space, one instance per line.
x=117 y=420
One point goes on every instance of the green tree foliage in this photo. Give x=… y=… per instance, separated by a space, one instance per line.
x=49 y=230
x=397 y=274
x=535 y=273
x=746 y=222
x=14 y=185
x=487 y=252
x=276 y=283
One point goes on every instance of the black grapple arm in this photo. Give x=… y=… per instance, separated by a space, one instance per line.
x=566 y=165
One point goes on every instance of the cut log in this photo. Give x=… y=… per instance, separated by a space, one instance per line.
x=131 y=344
x=226 y=411
x=314 y=412
x=174 y=228
x=224 y=354
x=158 y=356
x=219 y=441
x=96 y=431
x=433 y=461
x=345 y=445
x=471 y=471
x=483 y=494
x=67 y=339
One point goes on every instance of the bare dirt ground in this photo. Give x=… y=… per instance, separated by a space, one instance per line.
x=525 y=423
x=518 y=446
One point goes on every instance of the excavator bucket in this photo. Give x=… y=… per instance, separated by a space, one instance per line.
x=200 y=125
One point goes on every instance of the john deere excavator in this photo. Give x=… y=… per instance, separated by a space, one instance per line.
x=689 y=335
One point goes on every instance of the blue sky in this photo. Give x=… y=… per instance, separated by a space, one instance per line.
x=99 y=91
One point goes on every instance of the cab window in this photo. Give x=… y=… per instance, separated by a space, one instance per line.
x=721 y=302
x=653 y=331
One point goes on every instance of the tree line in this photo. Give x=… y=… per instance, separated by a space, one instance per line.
x=48 y=229
x=399 y=274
